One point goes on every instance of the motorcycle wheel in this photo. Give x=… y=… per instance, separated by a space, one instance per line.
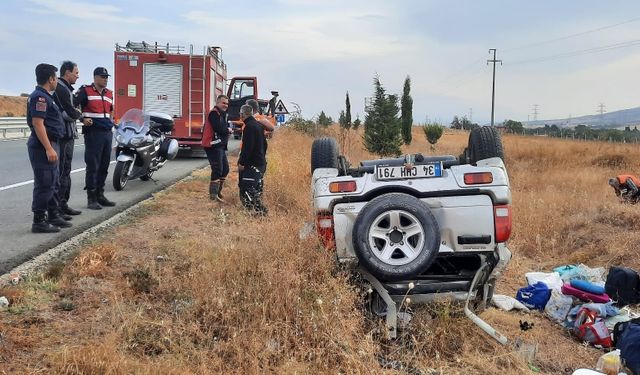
x=147 y=176
x=121 y=174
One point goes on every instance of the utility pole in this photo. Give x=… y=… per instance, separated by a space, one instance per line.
x=535 y=112
x=471 y=115
x=493 y=88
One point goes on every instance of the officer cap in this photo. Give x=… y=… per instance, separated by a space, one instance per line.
x=100 y=71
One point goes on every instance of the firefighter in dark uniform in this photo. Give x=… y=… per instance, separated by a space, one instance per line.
x=96 y=103
x=215 y=137
x=47 y=127
x=70 y=114
x=251 y=163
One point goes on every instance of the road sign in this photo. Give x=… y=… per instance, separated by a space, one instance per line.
x=280 y=117
x=281 y=109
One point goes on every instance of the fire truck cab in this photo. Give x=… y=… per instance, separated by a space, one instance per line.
x=240 y=90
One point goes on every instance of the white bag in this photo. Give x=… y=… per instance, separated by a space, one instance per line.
x=552 y=279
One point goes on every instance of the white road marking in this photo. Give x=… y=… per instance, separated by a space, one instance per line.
x=31 y=181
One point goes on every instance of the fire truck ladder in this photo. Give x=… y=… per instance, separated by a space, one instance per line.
x=197 y=75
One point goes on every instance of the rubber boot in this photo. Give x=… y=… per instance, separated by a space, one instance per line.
x=65 y=209
x=92 y=200
x=103 y=200
x=54 y=218
x=220 y=197
x=40 y=224
x=214 y=190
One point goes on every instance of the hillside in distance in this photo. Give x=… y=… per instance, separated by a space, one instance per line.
x=616 y=119
x=13 y=106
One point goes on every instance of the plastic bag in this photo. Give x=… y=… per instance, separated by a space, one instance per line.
x=552 y=279
x=558 y=306
x=609 y=363
x=582 y=272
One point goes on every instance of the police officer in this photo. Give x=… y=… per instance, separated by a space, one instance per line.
x=64 y=100
x=47 y=127
x=215 y=137
x=96 y=102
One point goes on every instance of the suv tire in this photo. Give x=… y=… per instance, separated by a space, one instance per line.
x=396 y=237
x=484 y=143
x=324 y=153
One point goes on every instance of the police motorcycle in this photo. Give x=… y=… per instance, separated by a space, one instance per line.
x=142 y=147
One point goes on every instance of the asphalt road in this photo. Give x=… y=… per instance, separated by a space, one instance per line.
x=18 y=244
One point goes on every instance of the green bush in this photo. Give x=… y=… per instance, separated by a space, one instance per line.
x=433 y=132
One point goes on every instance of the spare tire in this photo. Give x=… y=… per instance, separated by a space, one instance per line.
x=396 y=237
x=484 y=143
x=324 y=153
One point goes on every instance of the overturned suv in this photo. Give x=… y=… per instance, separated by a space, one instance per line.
x=424 y=227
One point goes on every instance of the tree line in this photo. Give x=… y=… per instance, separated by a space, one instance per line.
x=387 y=125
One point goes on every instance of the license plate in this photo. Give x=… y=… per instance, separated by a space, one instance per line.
x=402 y=173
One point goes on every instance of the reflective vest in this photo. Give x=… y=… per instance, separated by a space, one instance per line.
x=99 y=106
x=209 y=136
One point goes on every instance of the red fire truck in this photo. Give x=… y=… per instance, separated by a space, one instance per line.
x=171 y=80
x=167 y=79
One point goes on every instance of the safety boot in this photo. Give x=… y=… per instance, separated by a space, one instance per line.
x=92 y=200
x=102 y=200
x=55 y=219
x=40 y=224
x=65 y=209
x=63 y=215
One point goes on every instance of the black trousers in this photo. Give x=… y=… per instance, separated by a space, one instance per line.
x=65 y=158
x=250 y=184
x=218 y=161
x=45 y=177
x=97 y=154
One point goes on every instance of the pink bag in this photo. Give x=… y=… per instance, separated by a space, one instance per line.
x=585 y=296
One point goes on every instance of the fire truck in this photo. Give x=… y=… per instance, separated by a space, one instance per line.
x=180 y=83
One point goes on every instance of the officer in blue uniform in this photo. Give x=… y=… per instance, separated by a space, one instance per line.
x=47 y=127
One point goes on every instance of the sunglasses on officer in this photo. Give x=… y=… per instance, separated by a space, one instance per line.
x=104 y=76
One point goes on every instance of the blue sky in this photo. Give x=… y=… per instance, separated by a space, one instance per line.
x=314 y=51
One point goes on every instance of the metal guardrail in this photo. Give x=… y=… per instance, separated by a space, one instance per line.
x=14 y=124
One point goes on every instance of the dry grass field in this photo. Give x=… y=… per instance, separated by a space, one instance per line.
x=188 y=286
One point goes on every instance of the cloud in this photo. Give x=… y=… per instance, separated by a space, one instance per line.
x=84 y=11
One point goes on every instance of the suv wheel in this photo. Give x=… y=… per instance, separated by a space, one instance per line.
x=484 y=143
x=324 y=153
x=396 y=237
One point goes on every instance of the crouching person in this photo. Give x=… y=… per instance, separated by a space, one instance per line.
x=251 y=163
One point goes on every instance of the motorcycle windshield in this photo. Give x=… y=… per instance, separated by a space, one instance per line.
x=136 y=120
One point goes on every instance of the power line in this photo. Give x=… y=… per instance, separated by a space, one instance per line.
x=571 y=36
x=631 y=43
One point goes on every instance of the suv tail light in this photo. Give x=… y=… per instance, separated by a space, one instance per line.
x=324 y=226
x=342 y=187
x=478 y=178
x=502 y=220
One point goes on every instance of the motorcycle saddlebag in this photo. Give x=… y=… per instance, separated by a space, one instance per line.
x=169 y=148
